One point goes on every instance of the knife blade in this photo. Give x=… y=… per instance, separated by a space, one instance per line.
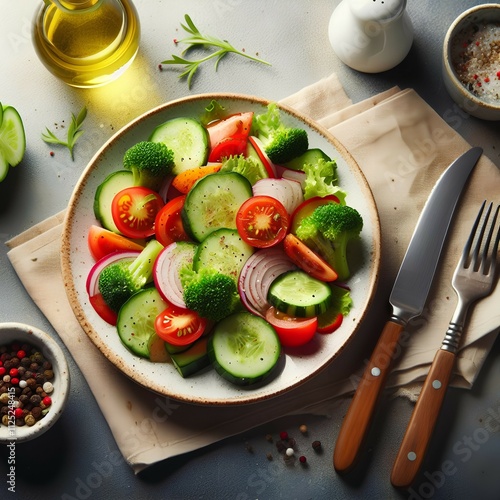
x=407 y=298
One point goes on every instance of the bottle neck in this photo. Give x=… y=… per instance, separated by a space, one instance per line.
x=72 y=5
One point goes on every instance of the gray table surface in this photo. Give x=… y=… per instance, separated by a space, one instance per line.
x=78 y=457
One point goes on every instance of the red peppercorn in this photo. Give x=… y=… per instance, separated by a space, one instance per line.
x=487 y=79
x=21 y=354
x=283 y=435
x=18 y=413
x=47 y=401
x=302 y=459
x=498 y=74
x=2 y=371
x=14 y=381
x=14 y=372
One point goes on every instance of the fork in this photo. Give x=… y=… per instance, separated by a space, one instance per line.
x=474 y=278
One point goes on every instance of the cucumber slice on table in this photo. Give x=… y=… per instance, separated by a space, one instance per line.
x=105 y=192
x=224 y=251
x=187 y=138
x=136 y=320
x=298 y=294
x=12 y=139
x=244 y=348
x=213 y=202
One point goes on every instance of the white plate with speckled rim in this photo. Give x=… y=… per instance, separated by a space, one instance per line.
x=207 y=387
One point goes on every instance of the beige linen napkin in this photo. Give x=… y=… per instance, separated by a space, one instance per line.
x=402 y=146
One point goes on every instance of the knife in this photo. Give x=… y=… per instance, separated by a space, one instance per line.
x=408 y=297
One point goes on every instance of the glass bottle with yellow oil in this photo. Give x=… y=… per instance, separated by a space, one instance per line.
x=86 y=43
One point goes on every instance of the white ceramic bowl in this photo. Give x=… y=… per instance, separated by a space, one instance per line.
x=17 y=332
x=473 y=89
x=207 y=387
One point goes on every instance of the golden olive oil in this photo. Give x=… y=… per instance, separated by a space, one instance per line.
x=87 y=46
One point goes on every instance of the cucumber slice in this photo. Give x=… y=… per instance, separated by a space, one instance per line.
x=187 y=138
x=298 y=294
x=192 y=360
x=12 y=139
x=213 y=202
x=244 y=348
x=12 y=136
x=136 y=320
x=311 y=156
x=224 y=251
x=105 y=193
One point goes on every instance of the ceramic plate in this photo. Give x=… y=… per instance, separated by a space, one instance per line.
x=207 y=387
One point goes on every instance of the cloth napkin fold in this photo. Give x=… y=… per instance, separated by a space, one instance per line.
x=402 y=146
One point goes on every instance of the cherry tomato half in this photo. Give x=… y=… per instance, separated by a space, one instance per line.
x=134 y=211
x=262 y=221
x=328 y=322
x=229 y=146
x=179 y=326
x=308 y=260
x=292 y=332
x=102 y=242
x=168 y=222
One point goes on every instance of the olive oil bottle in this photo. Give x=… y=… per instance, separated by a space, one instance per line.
x=86 y=43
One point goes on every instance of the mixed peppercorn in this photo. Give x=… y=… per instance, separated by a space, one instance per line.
x=25 y=384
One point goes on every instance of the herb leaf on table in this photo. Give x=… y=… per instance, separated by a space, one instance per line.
x=74 y=132
x=199 y=40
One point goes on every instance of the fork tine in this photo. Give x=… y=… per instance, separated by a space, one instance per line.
x=481 y=259
x=496 y=243
x=466 y=259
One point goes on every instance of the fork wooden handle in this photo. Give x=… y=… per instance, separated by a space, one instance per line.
x=359 y=415
x=423 y=420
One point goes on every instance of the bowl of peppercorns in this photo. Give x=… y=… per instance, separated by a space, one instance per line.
x=471 y=57
x=34 y=382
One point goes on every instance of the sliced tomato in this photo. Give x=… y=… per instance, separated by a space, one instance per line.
x=102 y=309
x=230 y=146
x=329 y=321
x=179 y=326
x=236 y=126
x=307 y=207
x=259 y=149
x=102 y=242
x=168 y=223
x=134 y=211
x=262 y=221
x=307 y=260
x=292 y=332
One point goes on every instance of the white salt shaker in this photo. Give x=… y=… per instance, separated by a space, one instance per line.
x=371 y=35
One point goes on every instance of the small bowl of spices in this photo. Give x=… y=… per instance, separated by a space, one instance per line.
x=471 y=61
x=34 y=382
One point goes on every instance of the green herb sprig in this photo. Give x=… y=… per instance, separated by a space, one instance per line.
x=198 y=40
x=74 y=132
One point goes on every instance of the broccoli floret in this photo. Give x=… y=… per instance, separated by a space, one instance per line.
x=211 y=294
x=321 y=179
x=120 y=280
x=150 y=162
x=247 y=167
x=281 y=143
x=328 y=231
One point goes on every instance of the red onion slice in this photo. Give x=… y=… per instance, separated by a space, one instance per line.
x=166 y=271
x=260 y=270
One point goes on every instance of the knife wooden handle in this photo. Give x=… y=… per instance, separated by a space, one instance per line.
x=359 y=415
x=422 y=422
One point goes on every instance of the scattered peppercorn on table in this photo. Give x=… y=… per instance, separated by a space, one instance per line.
x=290 y=457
